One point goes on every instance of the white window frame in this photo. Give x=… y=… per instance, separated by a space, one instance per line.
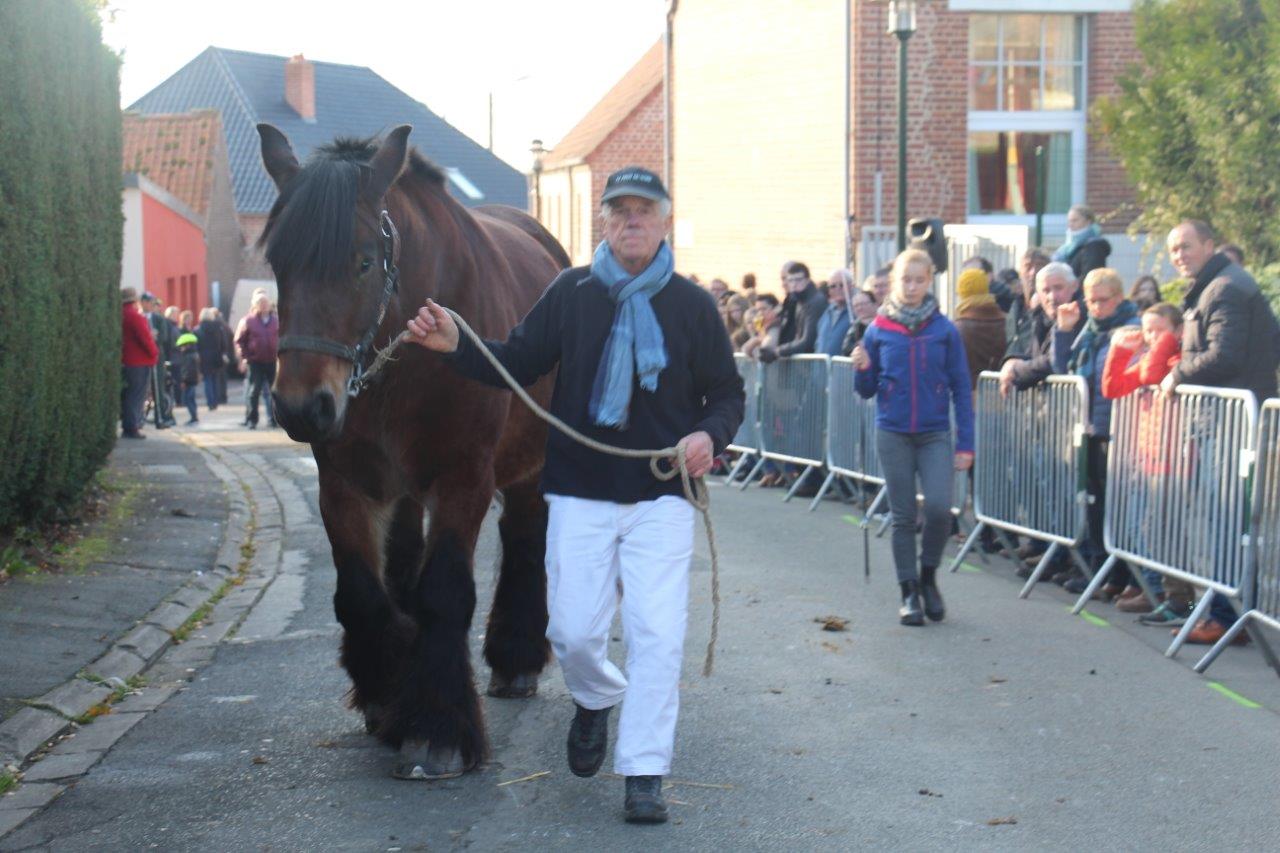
x=1074 y=122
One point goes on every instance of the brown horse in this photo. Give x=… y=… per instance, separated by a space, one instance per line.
x=359 y=237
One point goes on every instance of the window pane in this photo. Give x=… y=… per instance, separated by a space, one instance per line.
x=1022 y=87
x=1061 y=87
x=1061 y=38
x=982 y=37
x=1021 y=37
x=982 y=87
x=1002 y=172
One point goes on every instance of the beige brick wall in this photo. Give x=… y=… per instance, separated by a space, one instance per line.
x=758 y=148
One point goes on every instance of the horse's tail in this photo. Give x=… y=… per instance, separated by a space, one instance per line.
x=530 y=226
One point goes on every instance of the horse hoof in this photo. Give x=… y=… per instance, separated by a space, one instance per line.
x=520 y=687
x=426 y=763
x=372 y=719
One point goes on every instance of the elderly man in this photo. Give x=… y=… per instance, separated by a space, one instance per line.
x=1056 y=285
x=643 y=362
x=257 y=343
x=800 y=313
x=877 y=285
x=1230 y=339
x=833 y=325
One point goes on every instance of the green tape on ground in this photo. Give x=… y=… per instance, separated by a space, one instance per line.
x=1233 y=696
x=1092 y=620
x=852 y=519
x=970 y=567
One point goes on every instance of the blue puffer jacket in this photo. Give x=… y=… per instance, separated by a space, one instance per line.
x=1099 y=405
x=916 y=378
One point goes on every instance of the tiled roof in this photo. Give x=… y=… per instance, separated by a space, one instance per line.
x=247 y=88
x=175 y=151
x=616 y=105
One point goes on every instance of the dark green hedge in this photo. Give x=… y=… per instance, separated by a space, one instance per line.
x=60 y=235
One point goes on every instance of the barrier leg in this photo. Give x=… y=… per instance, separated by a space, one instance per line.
x=871 y=510
x=1218 y=647
x=884 y=524
x=1040 y=569
x=964 y=549
x=752 y=475
x=791 y=491
x=822 y=491
x=1094 y=584
x=1081 y=563
x=737 y=466
x=1260 y=637
x=1202 y=607
x=1136 y=571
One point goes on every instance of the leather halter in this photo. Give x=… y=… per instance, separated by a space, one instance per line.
x=359 y=353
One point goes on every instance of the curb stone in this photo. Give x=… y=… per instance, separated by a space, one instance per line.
x=148 y=647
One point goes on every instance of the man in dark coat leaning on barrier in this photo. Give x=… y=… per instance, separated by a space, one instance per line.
x=1230 y=339
x=644 y=362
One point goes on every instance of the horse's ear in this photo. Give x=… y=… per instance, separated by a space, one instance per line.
x=277 y=155
x=387 y=164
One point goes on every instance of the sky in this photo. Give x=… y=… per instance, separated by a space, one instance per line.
x=546 y=64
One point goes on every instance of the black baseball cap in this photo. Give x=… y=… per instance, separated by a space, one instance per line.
x=633 y=180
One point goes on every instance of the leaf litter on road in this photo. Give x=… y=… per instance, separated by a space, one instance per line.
x=832 y=623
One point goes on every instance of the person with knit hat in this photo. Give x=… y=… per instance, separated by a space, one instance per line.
x=980 y=322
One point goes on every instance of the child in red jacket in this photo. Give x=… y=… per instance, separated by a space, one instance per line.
x=1138 y=358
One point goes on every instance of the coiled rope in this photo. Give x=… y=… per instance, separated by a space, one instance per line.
x=695 y=488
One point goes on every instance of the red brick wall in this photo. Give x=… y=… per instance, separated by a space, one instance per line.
x=937 y=113
x=1111 y=50
x=636 y=141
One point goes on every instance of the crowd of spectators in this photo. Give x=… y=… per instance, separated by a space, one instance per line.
x=1059 y=312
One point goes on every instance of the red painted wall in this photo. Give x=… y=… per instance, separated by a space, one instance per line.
x=173 y=257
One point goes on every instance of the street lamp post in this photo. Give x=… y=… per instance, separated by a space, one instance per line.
x=902 y=23
x=538 y=151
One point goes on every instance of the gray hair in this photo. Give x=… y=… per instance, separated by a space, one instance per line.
x=841 y=275
x=664 y=208
x=1055 y=269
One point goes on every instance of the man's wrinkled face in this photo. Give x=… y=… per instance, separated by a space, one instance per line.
x=1056 y=290
x=634 y=228
x=1187 y=252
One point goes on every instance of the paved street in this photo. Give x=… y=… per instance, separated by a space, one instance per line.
x=1012 y=726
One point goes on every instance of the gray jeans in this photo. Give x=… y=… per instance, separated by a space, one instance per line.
x=904 y=457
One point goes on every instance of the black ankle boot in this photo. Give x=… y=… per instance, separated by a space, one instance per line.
x=588 y=735
x=933 y=606
x=910 y=612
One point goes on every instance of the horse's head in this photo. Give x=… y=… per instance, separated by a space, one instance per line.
x=332 y=251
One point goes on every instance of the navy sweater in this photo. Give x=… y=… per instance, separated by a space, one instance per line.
x=699 y=389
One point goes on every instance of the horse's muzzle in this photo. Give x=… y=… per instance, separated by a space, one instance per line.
x=310 y=420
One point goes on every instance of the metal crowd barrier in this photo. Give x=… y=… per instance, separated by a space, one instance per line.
x=1029 y=474
x=747 y=439
x=1178 y=490
x=1262 y=590
x=851 y=433
x=793 y=412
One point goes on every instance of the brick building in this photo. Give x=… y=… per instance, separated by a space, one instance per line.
x=759 y=121
x=163 y=247
x=186 y=155
x=624 y=129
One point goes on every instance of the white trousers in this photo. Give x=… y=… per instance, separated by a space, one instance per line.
x=596 y=552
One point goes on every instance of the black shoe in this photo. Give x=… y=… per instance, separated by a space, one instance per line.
x=588 y=736
x=132 y=434
x=1024 y=571
x=644 y=802
x=191 y=421
x=1031 y=548
x=933 y=605
x=910 y=613
x=1076 y=585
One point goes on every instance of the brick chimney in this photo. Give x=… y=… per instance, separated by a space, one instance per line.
x=300 y=86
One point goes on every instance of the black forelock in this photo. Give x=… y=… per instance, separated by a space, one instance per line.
x=311 y=227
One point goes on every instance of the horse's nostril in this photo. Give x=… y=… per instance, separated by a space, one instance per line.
x=323 y=411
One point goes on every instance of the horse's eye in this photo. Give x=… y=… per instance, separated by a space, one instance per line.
x=366 y=264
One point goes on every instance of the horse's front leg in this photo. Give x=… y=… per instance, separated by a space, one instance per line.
x=375 y=629
x=436 y=705
x=515 y=641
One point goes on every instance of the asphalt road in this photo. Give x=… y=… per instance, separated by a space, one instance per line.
x=1012 y=726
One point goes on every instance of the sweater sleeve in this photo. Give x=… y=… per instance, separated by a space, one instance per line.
x=806 y=338
x=867 y=379
x=961 y=391
x=717 y=380
x=1060 y=351
x=1120 y=374
x=1225 y=356
x=531 y=350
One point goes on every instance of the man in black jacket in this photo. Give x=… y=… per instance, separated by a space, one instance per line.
x=1056 y=285
x=643 y=361
x=801 y=311
x=1230 y=339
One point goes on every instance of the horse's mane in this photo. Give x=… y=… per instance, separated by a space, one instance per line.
x=311 y=227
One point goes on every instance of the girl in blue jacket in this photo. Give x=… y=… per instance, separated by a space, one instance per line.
x=912 y=360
